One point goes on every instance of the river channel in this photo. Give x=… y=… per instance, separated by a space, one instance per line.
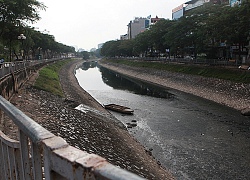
x=192 y=137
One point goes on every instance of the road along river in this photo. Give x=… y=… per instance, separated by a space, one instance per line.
x=193 y=137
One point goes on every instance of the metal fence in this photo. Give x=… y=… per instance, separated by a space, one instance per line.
x=10 y=67
x=218 y=62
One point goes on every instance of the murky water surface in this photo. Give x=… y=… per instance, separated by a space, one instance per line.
x=193 y=137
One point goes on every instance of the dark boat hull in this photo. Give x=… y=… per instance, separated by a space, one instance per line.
x=119 y=108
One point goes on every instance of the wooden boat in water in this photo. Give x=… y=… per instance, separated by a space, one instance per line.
x=119 y=108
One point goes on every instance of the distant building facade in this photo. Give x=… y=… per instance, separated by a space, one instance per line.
x=194 y=4
x=180 y=11
x=155 y=20
x=137 y=26
x=124 y=37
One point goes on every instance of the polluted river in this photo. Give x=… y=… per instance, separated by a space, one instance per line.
x=192 y=137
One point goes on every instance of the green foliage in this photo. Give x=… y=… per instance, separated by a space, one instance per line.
x=14 y=15
x=110 y=49
x=48 y=79
x=201 y=31
x=85 y=54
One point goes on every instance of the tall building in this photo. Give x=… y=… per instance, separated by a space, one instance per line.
x=190 y=5
x=194 y=4
x=137 y=26
x=178 y=12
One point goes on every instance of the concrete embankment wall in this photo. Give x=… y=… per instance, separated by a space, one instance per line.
x=231 y=94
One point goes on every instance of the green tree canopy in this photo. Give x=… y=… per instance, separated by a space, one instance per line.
x=203 y=30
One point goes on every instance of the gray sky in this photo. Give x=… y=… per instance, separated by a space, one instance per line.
x=87 y=23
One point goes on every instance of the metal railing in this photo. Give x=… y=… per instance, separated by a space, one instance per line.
x=10 y=67
x=215 y=62
x=40 y=154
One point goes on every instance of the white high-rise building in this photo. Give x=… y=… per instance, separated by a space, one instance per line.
x=137 y=26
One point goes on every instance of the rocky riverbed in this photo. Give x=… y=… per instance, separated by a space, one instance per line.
x=93 y=130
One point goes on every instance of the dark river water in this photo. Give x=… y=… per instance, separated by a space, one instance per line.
x=192 y=137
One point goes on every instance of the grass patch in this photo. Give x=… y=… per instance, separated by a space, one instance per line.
x=48 y=79
x=233 y=74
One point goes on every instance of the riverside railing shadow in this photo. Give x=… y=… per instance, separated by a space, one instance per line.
x=39 y=154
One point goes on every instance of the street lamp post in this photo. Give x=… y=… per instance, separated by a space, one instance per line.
x=21 y=37
x=39 y=51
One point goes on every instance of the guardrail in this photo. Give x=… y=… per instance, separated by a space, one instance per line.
x=216 y=62
x=40 y=154
x=10 y=67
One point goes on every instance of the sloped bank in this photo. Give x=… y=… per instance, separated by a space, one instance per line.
x=231 y=94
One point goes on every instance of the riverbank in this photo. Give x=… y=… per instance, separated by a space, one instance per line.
x=231 y=94
x=93 y=130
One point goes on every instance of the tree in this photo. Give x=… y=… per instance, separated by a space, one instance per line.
x=14 y=14
x=126 y=47
x=158 y=31
x=110 y=49
x=142 y=43
x=85 y=54
x=18 y=12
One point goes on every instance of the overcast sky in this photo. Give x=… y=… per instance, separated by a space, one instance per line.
x=87 y=23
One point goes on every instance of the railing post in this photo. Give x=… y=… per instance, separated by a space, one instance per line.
x=36 y=161
x=24 y=146
x=19 y=170
x=3 y=161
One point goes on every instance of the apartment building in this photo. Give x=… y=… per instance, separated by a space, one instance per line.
x=138 y=25
x=190 y=5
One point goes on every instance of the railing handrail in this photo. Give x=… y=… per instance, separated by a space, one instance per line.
x=225 y=62
x=24 y=123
